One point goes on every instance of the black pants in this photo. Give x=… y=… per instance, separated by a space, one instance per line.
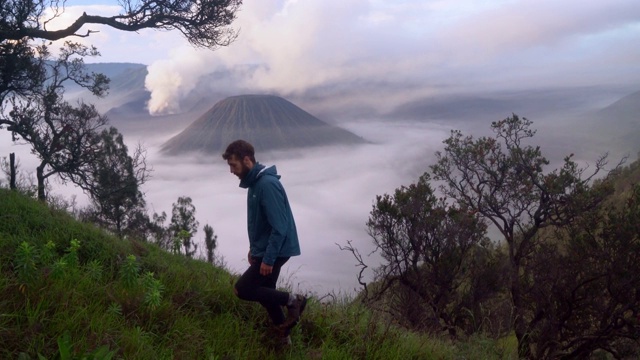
x=255 y=287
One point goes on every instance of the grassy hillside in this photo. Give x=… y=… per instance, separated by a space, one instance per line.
x=71 y=291
x=627 y=178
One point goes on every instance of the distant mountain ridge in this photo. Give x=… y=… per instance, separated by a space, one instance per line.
x=498 y=105
x=618 y=123
x=624 y=111
x=607 y=113
x=269 y=122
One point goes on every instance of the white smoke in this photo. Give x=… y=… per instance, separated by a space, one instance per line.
x=407 y=46
x=169 y=81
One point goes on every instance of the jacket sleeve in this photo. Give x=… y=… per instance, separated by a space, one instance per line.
x=274 y=204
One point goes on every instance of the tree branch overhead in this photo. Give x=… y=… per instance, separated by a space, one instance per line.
x=203 y=23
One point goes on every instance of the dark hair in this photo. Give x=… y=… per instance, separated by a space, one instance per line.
x=239 y=149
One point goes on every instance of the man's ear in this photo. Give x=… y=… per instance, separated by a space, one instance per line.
x=247 y=162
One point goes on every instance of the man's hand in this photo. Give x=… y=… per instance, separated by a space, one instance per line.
x=265 y=269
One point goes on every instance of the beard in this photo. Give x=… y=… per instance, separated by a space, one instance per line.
x=245 y=170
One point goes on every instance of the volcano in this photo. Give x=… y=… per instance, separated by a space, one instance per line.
x=268 y=122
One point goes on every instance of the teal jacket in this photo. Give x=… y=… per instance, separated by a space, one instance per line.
x=270 y=223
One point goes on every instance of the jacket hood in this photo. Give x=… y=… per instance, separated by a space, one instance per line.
x=257 y=171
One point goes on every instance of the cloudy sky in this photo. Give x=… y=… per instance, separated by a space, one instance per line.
x=418 y=45
x=375 y=52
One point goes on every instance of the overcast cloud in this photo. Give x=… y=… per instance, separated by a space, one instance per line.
x=426 y=47
x=429 y=47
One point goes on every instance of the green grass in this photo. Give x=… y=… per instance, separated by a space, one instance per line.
x=71 y=291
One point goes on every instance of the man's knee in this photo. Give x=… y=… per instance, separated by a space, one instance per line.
x=242 y=292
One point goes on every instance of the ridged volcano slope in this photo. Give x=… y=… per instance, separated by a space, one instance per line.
x=268 y=122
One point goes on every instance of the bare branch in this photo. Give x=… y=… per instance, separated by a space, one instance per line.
x=203 y=23
x=360 y=263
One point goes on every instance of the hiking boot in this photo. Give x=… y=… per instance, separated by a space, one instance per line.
x=294 y=311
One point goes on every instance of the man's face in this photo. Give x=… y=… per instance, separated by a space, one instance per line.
x=239 y=168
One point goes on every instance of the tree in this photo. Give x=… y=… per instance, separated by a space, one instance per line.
x=203 y=23
x=504 y=181
x=20 y=72
x=160 y=233
x=113 y=182
x=39 y=115
x=211 y=242
x=63 y=137
x=433 y=255
x=183 y=224
x=23 y=182
x=587 y=290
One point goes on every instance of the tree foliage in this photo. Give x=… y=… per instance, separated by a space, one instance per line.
x=211 y=242
x=20 y=71
x=587 y=293
x=184 y=225
x=113 y=183
x=63 y=136
x=67 y=138
x=160 y=234
x=504 y=179
x=203 y=23
x=430 y=249
x=565 y=257
x=31 y=87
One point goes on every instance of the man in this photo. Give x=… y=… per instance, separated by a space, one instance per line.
x=273 y=238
